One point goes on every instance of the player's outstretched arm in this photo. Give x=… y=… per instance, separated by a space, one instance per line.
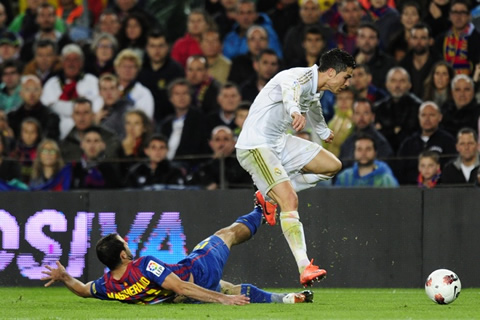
x=191 y=290
x=60 y=274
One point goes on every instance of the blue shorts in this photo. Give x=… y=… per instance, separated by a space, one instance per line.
x=208 y=259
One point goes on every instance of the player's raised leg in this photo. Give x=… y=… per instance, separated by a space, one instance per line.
x=242 y=229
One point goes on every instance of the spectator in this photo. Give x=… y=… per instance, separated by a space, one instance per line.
x=437 y=16
x=331 y=13
x=228 y=99
x=158 y=71
x=464 y=169
x=218 y=64
x=92 y=171
x=310 y=16
x=361 y=83
x=46 y=165
x=420 y=59
x=186 y=129
x=125 y=7
x=266 y=65
x=314 y=46
x=114 y=107
x=157 y=170
x=26 y=148
x=464 y=110
x=367 y=171
x=387 y=20
x=210 y=174
x=10 y=45
x=133 y=33
x=10 y=87
x=397 y=115
x=283 y=16
x=189 y=45
x=61 y=90
x=429 y=138
x=225 y=18
x=83 y=119
x=9 y=169
x=400 y=43
x=204 y=86
x=7 y=132
x=32 y=107
x=429 y=171
x=26 y=24
x=235 y=42
x=242 y=65
x=460 y=45
x=109 y=22
x=45 y=63
x=46 y=21
x=103 y=50
x=369 y=53
x=363 y=118
x=240 y=115
x=3 y=17
x=438 y=83
x=138 y=127
x=78 y=19
x=351 y=15
x=341 y=123
x=127 y=65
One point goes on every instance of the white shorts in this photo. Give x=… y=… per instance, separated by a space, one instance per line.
x=269 y=168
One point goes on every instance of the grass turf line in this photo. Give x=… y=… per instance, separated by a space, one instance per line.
x=60 y=303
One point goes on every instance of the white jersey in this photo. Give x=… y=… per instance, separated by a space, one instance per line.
x=270 y=116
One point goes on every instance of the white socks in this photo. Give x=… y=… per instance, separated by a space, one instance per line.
x=304 y=181
x=293 y=230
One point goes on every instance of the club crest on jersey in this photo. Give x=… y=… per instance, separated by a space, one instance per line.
x=277 y=171
x=155 y=268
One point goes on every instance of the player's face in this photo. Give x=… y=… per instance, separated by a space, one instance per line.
x=398 y=84
x=466 y=147
x=362 y=115
x=441 y=78
x=367 y=41
x=109 y=92
x=462 y=93
x=156 y=151
x=157 y=49
x=127 y=249
x=429 y=118
x=29 y=133
x=30 y=92
x=360 y=79
x=180 y=97
x=340 y=81
x=364 y=152
x=82 y=116
x=428 y=168
x=229 y=99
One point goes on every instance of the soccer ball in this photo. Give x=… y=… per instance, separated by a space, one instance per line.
x=443 y=286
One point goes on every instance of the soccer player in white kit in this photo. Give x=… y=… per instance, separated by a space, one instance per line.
x=281 y=164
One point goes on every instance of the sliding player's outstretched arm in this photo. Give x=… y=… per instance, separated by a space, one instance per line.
x=61 y=275
x=191 y=290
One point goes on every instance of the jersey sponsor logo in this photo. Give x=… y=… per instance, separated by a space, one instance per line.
x=155 y=268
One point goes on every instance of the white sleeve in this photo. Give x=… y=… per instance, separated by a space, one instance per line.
x=291 y=92
x=317 y=121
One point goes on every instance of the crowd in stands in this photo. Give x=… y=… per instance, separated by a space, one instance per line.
x=104 y=94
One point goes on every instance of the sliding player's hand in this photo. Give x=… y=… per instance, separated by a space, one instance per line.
x=237 y=300
x=53 y=275
x=299 y=121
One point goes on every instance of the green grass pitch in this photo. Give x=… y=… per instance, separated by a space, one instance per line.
x=58 y=303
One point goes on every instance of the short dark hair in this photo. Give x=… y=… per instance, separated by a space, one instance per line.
x=364 y=67
x=337 y=59
x=108 y=250
x=366 y=136
x=244 y=105
x=467 y=130
x=422 y=25
x=81 y=100
x=371 y=26
x=266 y=51
x=44 y=43
x=365 y=100
x=12 y=63
x=466 y=3
x=93 y=129
x=178 y=82
x=157 y=33
x=156 y=137
x=313 y=30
